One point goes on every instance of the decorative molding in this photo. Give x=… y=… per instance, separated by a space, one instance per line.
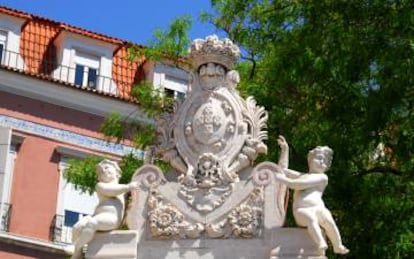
x=166 y=221
x=213 y=134
x=68 y=137
x=70 y=97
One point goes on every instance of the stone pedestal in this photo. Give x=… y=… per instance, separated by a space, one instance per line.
x=286 y=243
x=120 y=244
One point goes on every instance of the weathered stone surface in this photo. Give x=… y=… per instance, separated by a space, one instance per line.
x=285 y=243
x=120 y=244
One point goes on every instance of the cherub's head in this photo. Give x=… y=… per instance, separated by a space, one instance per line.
x=108 y=171
x=320 y=159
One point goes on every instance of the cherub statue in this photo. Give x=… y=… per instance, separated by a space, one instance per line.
x=109 y=213
x=308 y=207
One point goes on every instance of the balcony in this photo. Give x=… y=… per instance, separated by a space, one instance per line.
x=77 y=77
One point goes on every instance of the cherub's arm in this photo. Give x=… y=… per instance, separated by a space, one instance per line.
x=114 y=189
x=284 y=158
x=284 y=152
x=303 y=182
x=291 y=173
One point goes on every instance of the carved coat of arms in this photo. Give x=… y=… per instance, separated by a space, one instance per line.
x=214 y=133
x=211 y=141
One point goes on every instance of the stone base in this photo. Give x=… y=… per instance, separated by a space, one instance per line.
x=120 y=244
x=286 y=243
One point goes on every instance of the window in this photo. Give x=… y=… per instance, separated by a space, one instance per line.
x=1 y=53
x=174 y=94
x=3 y=39
x=8 y=154
x=169 y=93
x=173 y=81
x=71 y=217
x=10 y=31
x=84 y=61
x=79 y=70
x=85 y=76
x=86 y=69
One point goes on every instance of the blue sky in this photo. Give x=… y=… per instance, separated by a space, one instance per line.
x=132 y=20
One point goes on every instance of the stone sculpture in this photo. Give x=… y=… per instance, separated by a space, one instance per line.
x=214 y=203
x=308 y=207
x=215 y=134
x=109 y=212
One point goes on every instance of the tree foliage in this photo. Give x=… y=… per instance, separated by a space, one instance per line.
x=339 y=73
x=82 y=172
x=171 y=44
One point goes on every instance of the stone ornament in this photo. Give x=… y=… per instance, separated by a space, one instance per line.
x=214 y=133
x=308 y=207
x=212 y=50
x=166 y=221
x=214 y=202
x=244 y=221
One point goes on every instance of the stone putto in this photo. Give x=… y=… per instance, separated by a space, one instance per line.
x=108 y=213
x=308 y=207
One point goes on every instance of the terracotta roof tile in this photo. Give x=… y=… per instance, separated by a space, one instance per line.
x=65 y=26
x=14 y=12
x=126 y=72
x=36 y=46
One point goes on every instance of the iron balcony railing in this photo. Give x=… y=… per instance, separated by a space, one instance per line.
x=78 y=76
x=5 y=216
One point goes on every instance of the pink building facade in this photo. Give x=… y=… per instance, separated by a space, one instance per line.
x=57 y=84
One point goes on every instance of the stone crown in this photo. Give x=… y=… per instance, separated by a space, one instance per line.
x=213 y=50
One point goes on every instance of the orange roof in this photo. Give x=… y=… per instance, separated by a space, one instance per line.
x=64 y=26
x=39 y=53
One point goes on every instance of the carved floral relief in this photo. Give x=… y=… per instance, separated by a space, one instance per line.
x=166 y=221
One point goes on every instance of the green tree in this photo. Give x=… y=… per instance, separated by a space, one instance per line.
x=338 y=73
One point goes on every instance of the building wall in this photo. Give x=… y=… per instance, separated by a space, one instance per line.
x=34 y=188
x=36 y=173
x=49 y=114
x=48 y=130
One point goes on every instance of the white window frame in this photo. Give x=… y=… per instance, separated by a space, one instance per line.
x=8 y=180
x=3 y=43
x=8 y=152
x=88 y=61
x=11 y=26
x=68 y=44
x=172 y=78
